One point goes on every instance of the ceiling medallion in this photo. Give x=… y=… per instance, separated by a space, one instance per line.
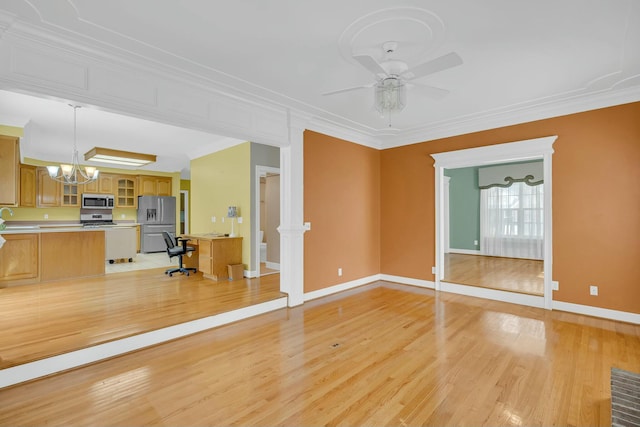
x=417 y=32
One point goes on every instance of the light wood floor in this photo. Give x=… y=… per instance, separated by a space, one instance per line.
x=264 y=270
x=508 y=274
x=381 y=354
x=44 y=320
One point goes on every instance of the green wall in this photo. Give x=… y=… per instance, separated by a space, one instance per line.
x=464 y=208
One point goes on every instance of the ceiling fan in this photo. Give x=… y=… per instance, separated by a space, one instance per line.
x=393 y=75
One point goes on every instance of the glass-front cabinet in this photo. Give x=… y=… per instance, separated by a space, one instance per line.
x=127 y=196
x=70 y=195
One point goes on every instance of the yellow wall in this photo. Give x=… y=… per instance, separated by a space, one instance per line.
x=11 y=131
x=220 y=180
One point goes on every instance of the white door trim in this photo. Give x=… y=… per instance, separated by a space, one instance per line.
x=538 y=148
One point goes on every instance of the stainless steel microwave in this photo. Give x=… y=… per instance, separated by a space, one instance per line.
x=97 y=201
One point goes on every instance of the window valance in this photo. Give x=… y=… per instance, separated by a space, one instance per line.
x=531 y=173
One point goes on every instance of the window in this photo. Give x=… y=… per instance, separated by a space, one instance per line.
x=516 y=211
x=512 y=221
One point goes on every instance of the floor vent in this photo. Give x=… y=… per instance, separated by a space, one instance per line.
x=625 y=398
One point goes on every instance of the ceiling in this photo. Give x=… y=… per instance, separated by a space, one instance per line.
x=518 y=57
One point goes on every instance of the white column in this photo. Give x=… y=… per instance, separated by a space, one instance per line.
x=291 y=215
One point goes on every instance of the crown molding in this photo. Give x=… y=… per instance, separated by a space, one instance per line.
x=514 y=115
x=335 y=130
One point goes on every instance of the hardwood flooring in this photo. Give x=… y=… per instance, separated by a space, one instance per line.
x=43 y=320
x=381 y=354
x=507 y=274
x=264 y=270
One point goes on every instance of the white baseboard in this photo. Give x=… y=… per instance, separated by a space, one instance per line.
x=464 y=251
x=51 y=365
x=273 y=265
x=339 y=288
x=493 y=294
x=622 y=316
x=408 y=281
x=250 y=274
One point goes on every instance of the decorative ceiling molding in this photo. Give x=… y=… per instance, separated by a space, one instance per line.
x=417 y=31
x=513 y=116
x=200 y=98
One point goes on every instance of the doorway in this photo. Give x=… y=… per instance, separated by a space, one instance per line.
x=184 y=212
x=494 y=218
x=539 y=148
x=267 y=244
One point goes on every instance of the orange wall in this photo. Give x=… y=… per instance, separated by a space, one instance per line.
x=342 y=202
x=596 y=203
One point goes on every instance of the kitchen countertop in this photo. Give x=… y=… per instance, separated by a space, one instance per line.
x=59 y=228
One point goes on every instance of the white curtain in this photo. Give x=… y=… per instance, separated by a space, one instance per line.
x=511 y=221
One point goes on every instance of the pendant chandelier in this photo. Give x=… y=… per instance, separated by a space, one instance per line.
x=73 y=173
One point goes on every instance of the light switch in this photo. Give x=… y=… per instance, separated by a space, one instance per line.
x=239 y=220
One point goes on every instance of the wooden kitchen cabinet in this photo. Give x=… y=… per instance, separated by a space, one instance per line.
x=126 y=192
x=48 y=194
x=9 y=171
x=163 y=186
x=154 y=185
x=19 y=258
x=105 y=184
x=28 y=186
x=51 y=193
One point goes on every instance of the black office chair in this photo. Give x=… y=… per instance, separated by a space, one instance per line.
x=177 y=248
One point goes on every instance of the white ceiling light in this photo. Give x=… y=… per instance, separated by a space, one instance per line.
x=390 y=95
x=127 y=158
x=73 y=173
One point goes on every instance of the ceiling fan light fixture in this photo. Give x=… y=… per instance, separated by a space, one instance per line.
x=390 y=95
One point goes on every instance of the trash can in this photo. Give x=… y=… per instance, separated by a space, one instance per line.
x=236 y=271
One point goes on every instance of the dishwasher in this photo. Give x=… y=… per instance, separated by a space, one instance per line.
x=120 y=243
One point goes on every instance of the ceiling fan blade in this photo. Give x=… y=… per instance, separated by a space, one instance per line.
x=349 y=89
x=370 y=64
x=441 y=63
x=430 y=91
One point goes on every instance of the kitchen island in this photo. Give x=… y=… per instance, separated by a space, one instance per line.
x=33 y=254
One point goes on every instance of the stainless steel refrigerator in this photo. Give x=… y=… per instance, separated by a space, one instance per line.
x=155 y=215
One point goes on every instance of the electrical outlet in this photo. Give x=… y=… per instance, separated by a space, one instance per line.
x=475 y=243
x=340 y=271
x=593 y=290
x=433 y=270
x=122 y=216
x=46 y=216
x=213 y=219
x=555 y=285
x=222 y=219
x=239 y=220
